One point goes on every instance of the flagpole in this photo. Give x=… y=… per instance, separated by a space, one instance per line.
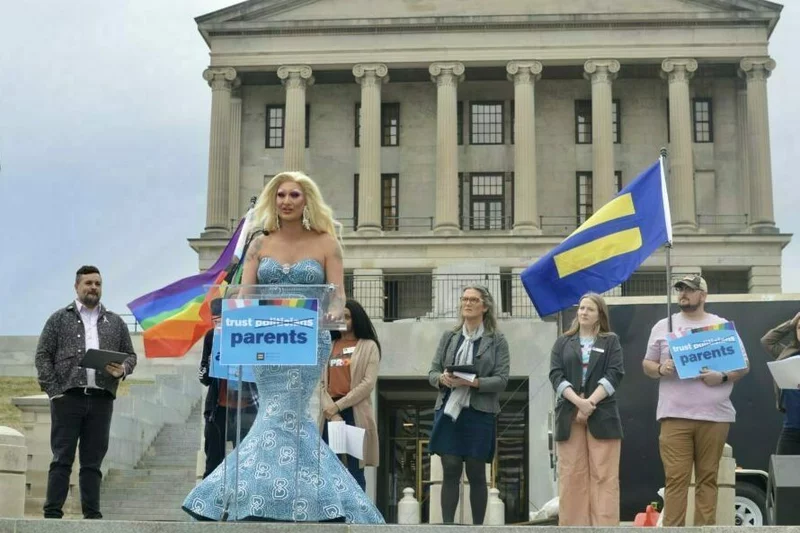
x=668 y=250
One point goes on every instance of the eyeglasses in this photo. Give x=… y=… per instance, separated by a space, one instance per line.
x=470 y=300
x=684 y=288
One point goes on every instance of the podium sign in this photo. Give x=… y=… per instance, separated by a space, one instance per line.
x=716 y=347
x=269 y=331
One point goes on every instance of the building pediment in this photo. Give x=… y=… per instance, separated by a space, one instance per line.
x=326 y=16
x=321 y=10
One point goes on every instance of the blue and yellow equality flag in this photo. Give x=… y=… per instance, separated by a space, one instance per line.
x=606 y=249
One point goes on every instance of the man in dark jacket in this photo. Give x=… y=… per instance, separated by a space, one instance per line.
x=220 y=407
x=81 y=399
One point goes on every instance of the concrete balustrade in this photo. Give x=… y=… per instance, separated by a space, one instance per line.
x=13 y=462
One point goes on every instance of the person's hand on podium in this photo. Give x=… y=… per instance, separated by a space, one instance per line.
x=115 y=369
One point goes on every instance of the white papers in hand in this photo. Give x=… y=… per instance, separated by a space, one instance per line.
x=346 y=439
x=355 y=442
x=465 y=376
x=337 y=436
x=786 y=372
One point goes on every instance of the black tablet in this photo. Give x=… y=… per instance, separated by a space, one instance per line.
x=98 y=359
x=466 y=369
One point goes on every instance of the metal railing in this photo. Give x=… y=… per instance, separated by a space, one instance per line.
x=425 y=295
x=417 y=295
x=487 y=223
x=393 y=223
x=133 y=326
x=550 y=225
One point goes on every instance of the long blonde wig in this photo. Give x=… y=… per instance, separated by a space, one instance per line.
x=320 y=215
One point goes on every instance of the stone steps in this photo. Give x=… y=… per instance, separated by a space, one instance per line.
x=156 y=488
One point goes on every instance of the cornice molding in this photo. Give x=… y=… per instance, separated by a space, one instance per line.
x=484 y=23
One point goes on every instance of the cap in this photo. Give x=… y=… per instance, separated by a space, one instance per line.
x=693 y=282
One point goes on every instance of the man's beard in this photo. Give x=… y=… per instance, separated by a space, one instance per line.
x=689 y=308
x=90 y=300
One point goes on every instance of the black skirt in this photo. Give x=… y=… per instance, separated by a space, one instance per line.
x=471 y=435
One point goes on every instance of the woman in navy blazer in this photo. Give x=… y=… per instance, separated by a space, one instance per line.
x=586 y=369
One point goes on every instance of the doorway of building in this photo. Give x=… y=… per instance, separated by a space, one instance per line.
x=405 y=420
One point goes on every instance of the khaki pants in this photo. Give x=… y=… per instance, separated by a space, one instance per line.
x=588 y=479
x=684 y=443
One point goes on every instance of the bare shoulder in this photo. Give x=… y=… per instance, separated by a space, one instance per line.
x=254 y=249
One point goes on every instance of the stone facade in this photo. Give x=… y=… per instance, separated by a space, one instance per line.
x=435 y=60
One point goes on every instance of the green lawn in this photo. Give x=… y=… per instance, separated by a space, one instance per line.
x=11 y=387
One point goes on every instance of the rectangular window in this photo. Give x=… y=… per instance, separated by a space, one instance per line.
x=276 y=122
x=487 y=202
x=276 y=126
x=357 y=123
x=389 y=202
x=460 y=122
x=669 y=125
x=583 y=121
x=355 y=202
x=584 y=197
x=308 y=125
x=702 y=119
x=486 y=123
x=390 y=188
x=513 y=121
x=390 y=124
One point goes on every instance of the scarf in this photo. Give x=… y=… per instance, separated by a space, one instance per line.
x=459 y=397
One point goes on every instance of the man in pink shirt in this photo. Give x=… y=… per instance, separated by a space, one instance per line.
x=695 y=414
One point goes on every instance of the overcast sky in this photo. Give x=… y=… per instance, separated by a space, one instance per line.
x=104 y=123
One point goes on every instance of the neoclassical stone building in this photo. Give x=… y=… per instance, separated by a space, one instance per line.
x=453 y=132
x=463 y=139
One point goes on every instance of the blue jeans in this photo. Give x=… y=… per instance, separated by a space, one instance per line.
x=352 y=462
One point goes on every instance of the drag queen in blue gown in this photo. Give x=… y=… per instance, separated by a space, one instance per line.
x=286 y=472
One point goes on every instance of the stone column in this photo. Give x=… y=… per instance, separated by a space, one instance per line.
x=742 y=147
x=602 y=72
x=222 y=81
x=681 y=158
x=526 y=216
x=234 y=170
x=757 y=70
x=296 y=78
x=370 y=77
x=447 y=76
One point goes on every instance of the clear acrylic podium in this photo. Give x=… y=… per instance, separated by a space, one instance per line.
x=271 y=338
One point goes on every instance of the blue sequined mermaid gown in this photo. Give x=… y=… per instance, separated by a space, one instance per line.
x=286 y=472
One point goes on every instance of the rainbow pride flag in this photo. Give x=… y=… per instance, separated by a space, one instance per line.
x=175 y=317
